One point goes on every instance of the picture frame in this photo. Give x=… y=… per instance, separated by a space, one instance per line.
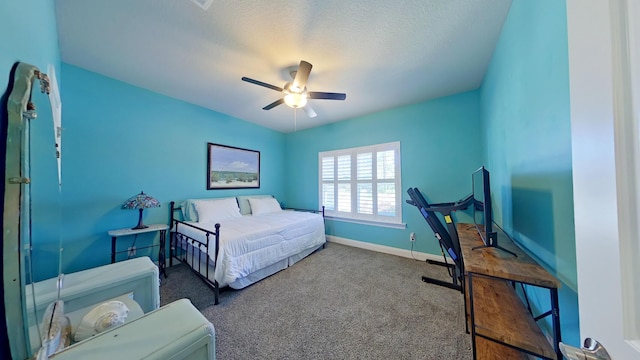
x=230 y=167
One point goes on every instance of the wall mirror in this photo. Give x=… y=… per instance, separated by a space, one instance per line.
x=77 y=315
x=30 y=253
x=48 y=310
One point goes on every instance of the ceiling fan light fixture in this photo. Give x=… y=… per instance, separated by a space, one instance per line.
x=295 y=100
x=295 y=92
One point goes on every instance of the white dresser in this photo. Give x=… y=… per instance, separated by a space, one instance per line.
x=174 y=331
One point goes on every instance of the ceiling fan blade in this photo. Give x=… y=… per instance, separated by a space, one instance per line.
x=273 y=104
x=326 y=95
x=273 y=87
x=304 y=69
x=309 y=111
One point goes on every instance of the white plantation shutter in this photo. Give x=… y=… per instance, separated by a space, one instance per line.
x=344 y=197
x=328 y=197
x=362 y=183
x=365 y=166
x=365 y=199
x=364 y=170
x=386 y=164
x=386 y=199
x=344 y=177
x=344 y=167
x=328 y=189
x=327 y=168
x=386 y=171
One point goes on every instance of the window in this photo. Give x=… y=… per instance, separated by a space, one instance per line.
x=362 y=184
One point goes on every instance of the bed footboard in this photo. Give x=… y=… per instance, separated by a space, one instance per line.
x=187 y=250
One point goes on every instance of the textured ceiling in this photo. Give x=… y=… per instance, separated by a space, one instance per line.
x=381 y=53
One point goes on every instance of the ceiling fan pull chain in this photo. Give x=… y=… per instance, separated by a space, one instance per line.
x=295 y=120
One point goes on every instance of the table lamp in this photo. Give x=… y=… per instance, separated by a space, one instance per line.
x=140 y=201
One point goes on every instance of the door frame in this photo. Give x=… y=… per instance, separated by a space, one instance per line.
x=603 y=66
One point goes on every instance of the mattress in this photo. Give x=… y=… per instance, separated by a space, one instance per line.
x=251 y=243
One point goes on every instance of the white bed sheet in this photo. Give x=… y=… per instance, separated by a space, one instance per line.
x=253 y=242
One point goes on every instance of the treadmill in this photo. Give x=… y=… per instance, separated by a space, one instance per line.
x=447 y=237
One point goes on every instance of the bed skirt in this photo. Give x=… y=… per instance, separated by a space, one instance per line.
x=199 y=259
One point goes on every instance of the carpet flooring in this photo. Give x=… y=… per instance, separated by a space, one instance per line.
x=339 y=303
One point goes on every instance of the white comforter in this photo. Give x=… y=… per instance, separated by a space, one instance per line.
x=250 y=243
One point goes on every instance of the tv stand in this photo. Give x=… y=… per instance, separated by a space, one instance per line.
x=502 y=326
x=494 y=247
x=492 y=242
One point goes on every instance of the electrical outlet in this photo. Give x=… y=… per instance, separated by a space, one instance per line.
x=412 y=237
x=132 y=251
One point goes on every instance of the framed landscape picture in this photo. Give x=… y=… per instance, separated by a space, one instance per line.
x=230 y=167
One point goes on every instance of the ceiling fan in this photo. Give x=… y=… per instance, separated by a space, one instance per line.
x=295 y=92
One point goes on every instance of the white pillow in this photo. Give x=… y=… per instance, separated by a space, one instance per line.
x=217 y=210
x=264 y=205
x=243 y=202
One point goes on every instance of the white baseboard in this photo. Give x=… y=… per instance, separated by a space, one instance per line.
x=384 y=249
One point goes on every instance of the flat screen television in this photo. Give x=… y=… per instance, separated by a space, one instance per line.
x=482 y=214
x=482 y=211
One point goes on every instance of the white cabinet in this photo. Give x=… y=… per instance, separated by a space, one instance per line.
x=134 y=282
x=174 y=331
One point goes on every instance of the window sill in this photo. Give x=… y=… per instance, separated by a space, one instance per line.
x=392 y=225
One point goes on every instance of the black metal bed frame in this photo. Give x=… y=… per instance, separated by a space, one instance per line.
x=182 y=255
x=189 y=252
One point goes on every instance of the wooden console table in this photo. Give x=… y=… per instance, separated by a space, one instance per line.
x=501 y=325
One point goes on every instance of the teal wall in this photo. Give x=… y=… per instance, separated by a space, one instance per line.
x=119 y=140
x=440 y=148
x=28 y=33
x=527 y=143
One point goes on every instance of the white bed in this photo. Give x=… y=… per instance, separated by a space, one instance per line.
x=251 y=246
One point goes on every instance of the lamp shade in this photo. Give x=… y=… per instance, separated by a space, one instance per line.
x=295 y=100
x=140 y=201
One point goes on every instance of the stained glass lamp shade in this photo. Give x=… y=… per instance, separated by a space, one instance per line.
x=141 y=201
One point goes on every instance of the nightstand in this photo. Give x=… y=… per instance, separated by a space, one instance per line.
x=162 y=228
